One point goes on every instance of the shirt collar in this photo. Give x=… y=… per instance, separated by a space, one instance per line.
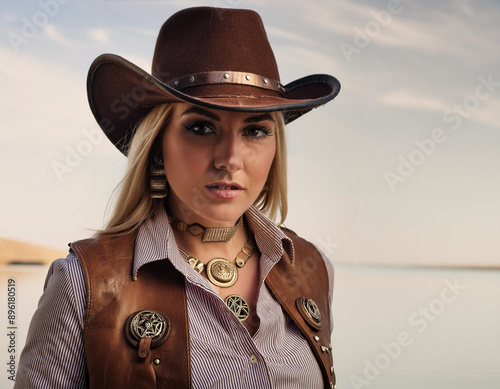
x=156 y=241
x=270 y=240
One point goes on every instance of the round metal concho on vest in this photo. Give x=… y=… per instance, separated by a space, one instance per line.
x=147 y=324
x=310 y=312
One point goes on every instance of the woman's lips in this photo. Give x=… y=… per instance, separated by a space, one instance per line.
x=226 y=191
x=223 y=187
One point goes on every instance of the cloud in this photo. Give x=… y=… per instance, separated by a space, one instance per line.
x=143 y=63
x=151 y=32
x=99 y=35
x=52 y=32
x=290 y=37
x=8 y=17
x=488 y=112
x=408 y=98
x=408 y=33
x=424 y=31
x=333 y=19
x=297 y=59
x=462 y=29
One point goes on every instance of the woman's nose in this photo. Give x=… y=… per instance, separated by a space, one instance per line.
x=228 y=153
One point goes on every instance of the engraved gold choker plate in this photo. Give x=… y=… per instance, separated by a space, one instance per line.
x=208 y=234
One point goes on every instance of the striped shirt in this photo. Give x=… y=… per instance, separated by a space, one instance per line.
x=223 y=354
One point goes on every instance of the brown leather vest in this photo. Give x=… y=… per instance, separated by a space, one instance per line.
x=112 y=296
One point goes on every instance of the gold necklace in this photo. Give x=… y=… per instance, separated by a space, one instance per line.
x=220 y=271
x=210 y=234
x=223 y=273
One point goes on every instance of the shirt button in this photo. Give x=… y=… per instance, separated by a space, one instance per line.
x=253 y=359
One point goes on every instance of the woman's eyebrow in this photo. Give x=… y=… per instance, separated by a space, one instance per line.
x=259 y=118
x=201 y=111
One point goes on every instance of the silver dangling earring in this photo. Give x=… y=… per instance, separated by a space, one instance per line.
x=158 y=181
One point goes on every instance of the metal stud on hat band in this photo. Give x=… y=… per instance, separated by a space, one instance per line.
x=227 y=77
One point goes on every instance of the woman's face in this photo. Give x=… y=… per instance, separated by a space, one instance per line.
x=216 y=162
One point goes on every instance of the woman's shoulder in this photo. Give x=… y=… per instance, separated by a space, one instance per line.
x=111 y=245
x=65 y=271
x=103 y=239
x=64 y=265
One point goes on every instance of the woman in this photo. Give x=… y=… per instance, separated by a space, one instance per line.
x=190 y=284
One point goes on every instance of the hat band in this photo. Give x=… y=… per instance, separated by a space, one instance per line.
x=213 y=78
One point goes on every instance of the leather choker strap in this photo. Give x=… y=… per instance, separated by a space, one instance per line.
x=209 y=234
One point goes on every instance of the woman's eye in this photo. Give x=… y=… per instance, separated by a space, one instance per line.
x=200 y=128
x=258 y=132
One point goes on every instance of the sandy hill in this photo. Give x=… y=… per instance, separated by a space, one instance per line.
x=15 y=251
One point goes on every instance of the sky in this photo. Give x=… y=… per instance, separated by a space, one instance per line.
x=401 y=168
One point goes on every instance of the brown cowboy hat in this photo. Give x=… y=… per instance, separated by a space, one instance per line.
x=211 y=57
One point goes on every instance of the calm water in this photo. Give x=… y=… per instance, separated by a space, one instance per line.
x=395 y=328
x=417 y=328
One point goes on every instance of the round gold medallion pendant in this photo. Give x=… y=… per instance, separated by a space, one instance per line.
x=221 y=272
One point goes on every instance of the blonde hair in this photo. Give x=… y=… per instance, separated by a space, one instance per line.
x=134 y=204
x=273 y=200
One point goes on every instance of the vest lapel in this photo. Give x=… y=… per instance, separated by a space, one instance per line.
x=307 y=278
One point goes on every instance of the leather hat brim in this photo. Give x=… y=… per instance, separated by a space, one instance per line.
x=120 y=94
